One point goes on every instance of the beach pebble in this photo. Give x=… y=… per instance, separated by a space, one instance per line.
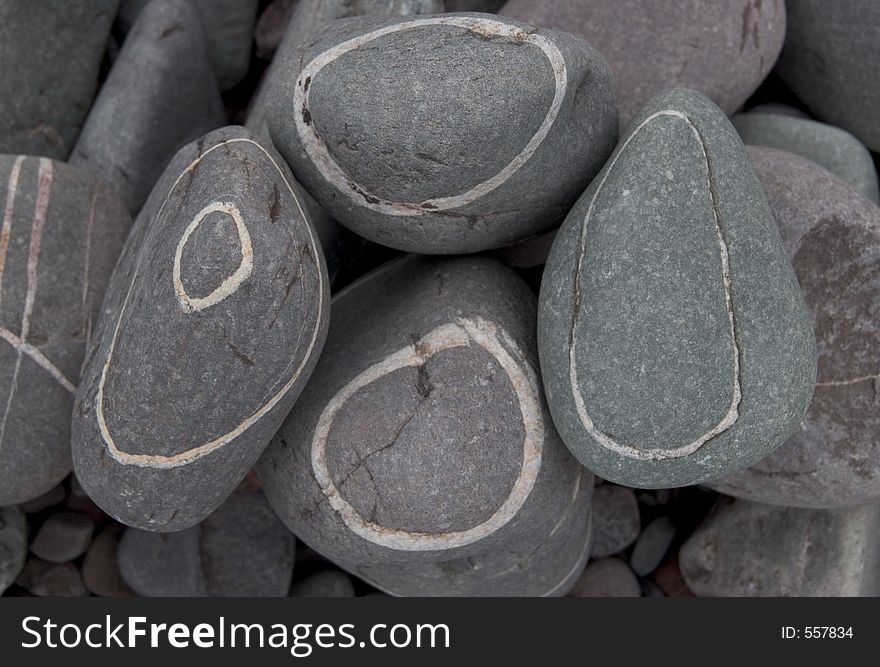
x=652 y=545
x=779 y=109
x=607 y=578
x=51 y=52
x=675 y=345
x=670 y=579
x=753 y=550
x=833 y=237
x=13 y=545
x=63 y=537
x=326 y=584
x=830 y=61
x=100 y=568
x=160 y=94
x=514 y=124
x=62 y=580
x=54 y=496
x=271 y=26
x=212 y=323
x=424 y=439
x=832 y=148
x=616 y=521
x=241 y=550
x=60 y=235
x=723 y=49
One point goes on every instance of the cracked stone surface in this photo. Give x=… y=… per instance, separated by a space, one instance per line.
x=213 y=322
x=833 y=237
x=675 y=345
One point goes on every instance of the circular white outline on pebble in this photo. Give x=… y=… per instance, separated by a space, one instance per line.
x=525 y=384
x=320 y=155
x=232 y=282
x=190 y=455
x=732 y=414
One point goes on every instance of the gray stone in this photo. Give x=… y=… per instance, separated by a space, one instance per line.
x=100 y=568
x=241 y=550
x=213 y=321
x=51 y=52
x=607 y=578
x=779 y=109
x=63 y=537
x=271 y=26
x=54 y=496
x=652 y=545
x=326 y=584
x=723 y=49
x=833 y=237
x=44 y=579
x=670 y=579
x=754 y=550
x=675 y=342
x=830 y=62
x=424 y=441
x=78 y=500
x=830 y=147
x=527 y=254
x=60 y=234
x=160 y=94
x=513 y=151
x=616 y=520
x=13 y=545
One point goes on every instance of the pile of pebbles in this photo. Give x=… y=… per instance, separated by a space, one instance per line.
x=439 y=298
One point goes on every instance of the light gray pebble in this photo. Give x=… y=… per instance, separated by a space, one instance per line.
x=63 y=537
x=652 y=545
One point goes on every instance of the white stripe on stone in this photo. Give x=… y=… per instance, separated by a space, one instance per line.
x=38 y=357
x=8 y=210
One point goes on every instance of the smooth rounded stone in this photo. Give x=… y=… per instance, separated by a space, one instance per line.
x=160 y=94
x=63 y=537
x=833 y=237
x=607 y=578
x=212 y=323
x=13 y=545
x=510 y=156
x=652 y=545
x=54 y=496
x=61 y=231
x=61 y=580
x=670 y=579
x=241 y=550
x=723 y=49
x=674 y=339
x=830 y=147
x=830 y=59
x=751 y=549
x=51 y=52
x=424 y=438
x=779 y=109
x=100 y=568
x=616 y=520
x=326 y=584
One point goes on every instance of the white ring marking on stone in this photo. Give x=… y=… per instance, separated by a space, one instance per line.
x=330 y=169
x=525 y=384
x=183 y=458
x=232 y=282
x=732 y=414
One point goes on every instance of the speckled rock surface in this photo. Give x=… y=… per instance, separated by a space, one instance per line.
x=436 y=390
x=723 y=48
x=13 y=544
x=213 y=322
x=60 y=235
x=830 y=147
x=51 y=52
x=833 y=237
x=675 y=345
x=510 y=156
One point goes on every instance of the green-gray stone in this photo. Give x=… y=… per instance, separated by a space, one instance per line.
x=673 y=336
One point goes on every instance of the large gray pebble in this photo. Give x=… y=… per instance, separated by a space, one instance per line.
x=485 y=132
x=675 y=342
x=13 y=545
x=214 y=319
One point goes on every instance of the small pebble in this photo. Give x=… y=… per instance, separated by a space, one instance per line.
x=616 y=521
x=652 y=545
x=670 y=579
x=326 y=584
x=607 y=578
x=63 y=537
x=54 y=496
x=100 y=569
x=62 y=580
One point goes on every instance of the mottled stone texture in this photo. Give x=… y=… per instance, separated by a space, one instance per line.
x=833 y=237
x=722 y=48
x=423 y=441
x=160 y=94
x=830 y=61
x=61 y=231
x=51 y=51
x=214 y=320
x=471 y=161
x=675 y=343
